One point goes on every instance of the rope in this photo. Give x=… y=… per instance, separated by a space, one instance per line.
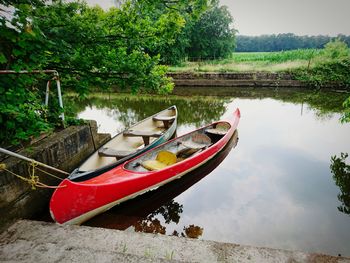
x=52 y=175
x=33 y=179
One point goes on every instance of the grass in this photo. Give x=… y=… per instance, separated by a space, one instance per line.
x=254 y=61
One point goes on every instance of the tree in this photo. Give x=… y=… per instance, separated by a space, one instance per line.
x=22 y=47
x=174 y=49
x=212 y=36
x=88 y=46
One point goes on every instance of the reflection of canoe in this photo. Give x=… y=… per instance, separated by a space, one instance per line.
x=137 y=139
x=132 y=212
x=76 y=202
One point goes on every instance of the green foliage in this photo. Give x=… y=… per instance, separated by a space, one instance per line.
x=346 y=114
x=276 y=57
x=336 y=49
x=212 y=36
x=341 y=176
x=253 y=61
x=332 y=67
x=22 y=114
x=88 y=47
x=206 y=33
x=336 y=72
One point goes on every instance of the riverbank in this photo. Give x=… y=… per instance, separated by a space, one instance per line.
x=243 y=79
x=32 y=241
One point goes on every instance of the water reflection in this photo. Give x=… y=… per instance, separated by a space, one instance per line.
x=325 y=102
x=341 y=176
x=129 y=109
x=147 y=212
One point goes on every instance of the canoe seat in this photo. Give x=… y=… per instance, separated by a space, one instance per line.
x=197 y=141
x=165 y=119
x=220 y=129
x=144 y=134
x=163 y=159
x=109 y=152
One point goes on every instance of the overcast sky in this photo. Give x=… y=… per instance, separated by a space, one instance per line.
x=301 y=17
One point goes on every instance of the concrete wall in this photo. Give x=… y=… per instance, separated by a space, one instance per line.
x=64 y=150
x=244 y=79
x=232 y=75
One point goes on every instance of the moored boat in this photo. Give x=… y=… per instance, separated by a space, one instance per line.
x=158 y=203
x=76 y=202
x=129 y=143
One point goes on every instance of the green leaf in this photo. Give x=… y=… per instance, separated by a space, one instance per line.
x=3 y=59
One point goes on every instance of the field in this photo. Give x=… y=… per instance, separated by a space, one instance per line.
x=255 y=61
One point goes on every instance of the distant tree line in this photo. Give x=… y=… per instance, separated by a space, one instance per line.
x=289 y=41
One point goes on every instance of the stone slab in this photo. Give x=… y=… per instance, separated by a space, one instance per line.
x=32 y=241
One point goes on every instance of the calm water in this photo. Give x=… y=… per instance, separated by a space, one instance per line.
x=274 y=189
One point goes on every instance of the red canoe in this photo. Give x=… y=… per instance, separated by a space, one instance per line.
x=76 y=202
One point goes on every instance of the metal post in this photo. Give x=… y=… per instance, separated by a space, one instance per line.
x=47 y=93
x=58 y=83
x=31 y=160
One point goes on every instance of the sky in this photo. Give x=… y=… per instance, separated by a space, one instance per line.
x=301 y=17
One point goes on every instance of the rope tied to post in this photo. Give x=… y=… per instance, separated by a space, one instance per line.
x=33 y=180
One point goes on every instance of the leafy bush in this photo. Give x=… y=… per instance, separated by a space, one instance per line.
x=22 y=113
x=87 y=46
x=335 y=71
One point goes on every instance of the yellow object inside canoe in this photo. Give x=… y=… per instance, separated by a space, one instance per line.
x=163 y=159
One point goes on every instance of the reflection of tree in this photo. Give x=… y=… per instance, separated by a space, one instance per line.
x=193 y=231
x=341 y=176
x=150 y=226
x=198 y=109
x=325 y=103
x=171 y=213
x=129 y=109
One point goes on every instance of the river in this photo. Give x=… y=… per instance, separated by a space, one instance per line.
x=274 y=189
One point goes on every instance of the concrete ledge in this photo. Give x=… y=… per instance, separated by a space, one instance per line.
x=242 y=79
x=64 y=150
x=31 y=241
x=238 y=83
x=231 y=75
x=235 y=79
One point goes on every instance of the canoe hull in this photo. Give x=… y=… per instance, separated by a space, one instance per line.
x=76 y=202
